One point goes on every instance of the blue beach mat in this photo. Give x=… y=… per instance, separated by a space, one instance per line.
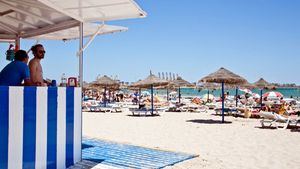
x=128 y=156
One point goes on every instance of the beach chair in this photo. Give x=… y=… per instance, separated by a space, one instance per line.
x=143 y=111
x=273 y=119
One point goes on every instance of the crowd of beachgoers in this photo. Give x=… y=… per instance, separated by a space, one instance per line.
x=247 y=104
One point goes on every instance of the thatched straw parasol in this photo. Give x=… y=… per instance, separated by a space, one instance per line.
x=177 y=83
x=151 y=81
x=223 y=76
x=86 y=86
x=105 y=82
x=262 y=84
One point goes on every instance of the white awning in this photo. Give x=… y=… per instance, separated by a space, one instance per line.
x=30 y=18
x=97 y=10
x=73 y=33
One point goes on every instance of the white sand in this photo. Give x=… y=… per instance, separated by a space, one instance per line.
x=240 y=144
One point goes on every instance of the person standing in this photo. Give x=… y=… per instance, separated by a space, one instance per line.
x=36 y=71
x=16 y=71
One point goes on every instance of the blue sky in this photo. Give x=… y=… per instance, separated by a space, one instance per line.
x=253 y=38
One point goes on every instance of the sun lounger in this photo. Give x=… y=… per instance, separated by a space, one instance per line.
x=227 y=111
x=273 y=119
x=143 y=111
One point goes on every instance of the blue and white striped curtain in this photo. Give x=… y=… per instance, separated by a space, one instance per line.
x=40 y=127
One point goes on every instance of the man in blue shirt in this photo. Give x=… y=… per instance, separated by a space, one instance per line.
x=15 y=72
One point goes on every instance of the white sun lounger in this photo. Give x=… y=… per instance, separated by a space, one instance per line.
x=143 y=111
x=273 y=119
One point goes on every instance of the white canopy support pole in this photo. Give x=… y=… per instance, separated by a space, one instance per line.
x=81 y=54
x=91 y=39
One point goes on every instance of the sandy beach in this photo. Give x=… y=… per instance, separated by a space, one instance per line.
x=240 y=143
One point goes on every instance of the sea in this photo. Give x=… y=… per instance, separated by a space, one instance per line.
x=186 y=92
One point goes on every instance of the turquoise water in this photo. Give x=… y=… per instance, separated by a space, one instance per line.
x=287 y=92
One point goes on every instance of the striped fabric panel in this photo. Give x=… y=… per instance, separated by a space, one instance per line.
x=41 y=128
x=70 y=127
x=29 y=127
x=15 y=128
x=37 y=127
x=61 y=128
x=52 y=128
x=78 y=126
x=4 y=114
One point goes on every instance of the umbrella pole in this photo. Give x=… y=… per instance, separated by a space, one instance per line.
x=104 y=96
x=167 y=94
x=223 y=99
x=236 y=94
x=207 y=95
x=152 y=99
x=179 y=95
x=140 y=92
x=261 y=91
x=108 y=96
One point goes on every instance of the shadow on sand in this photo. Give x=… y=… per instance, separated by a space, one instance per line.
x=142 y=115
x=266 y=127
x=292 y=128
x=209 y=121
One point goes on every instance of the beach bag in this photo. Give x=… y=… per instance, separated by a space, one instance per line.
x=10 y=53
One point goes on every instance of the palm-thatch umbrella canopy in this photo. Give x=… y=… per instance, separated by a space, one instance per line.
x=150 y=81
x=262 y=84
x=223 y=76
x=179 y=82
x=105 y=82
x=86 y=86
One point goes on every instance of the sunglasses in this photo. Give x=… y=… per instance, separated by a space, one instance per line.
x=41 y=51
